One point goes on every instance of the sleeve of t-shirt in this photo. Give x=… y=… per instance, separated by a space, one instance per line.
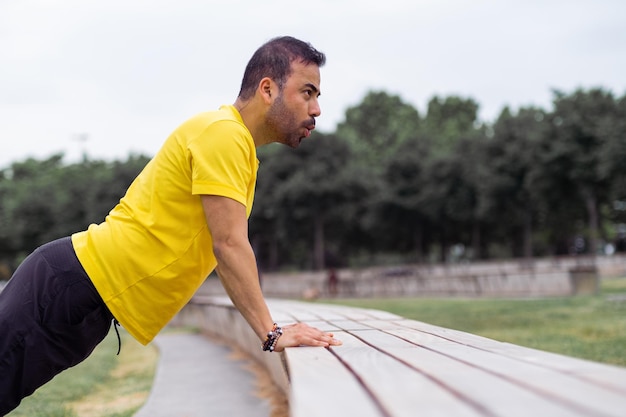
x=220 y=161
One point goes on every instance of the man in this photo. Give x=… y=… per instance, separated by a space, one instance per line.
x=183 y=216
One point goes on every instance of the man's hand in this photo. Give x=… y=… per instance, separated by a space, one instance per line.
x=302 y=334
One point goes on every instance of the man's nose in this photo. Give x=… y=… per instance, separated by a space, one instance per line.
x=314 y=109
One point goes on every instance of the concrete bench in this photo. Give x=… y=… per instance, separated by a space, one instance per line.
x=390 y=366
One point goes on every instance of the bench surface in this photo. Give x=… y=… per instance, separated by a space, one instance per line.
x=392 y=366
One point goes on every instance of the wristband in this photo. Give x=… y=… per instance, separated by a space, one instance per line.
x=272 y=338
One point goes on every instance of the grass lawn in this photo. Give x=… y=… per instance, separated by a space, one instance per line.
x=590 y=327
x=104 y=385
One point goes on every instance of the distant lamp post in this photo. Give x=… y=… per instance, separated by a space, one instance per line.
x=81 y=138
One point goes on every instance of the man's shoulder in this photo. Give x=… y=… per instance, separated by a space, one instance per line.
x=223 y=114
x=225 y=121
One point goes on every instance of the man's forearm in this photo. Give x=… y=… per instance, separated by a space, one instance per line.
x=239 y=276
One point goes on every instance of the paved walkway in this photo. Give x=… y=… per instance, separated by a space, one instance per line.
x=197 y=377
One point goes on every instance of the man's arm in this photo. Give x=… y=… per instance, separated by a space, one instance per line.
x=236 y=267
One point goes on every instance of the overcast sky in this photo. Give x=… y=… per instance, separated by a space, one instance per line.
x=117 y=76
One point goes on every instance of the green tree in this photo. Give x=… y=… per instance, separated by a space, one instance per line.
x=507 y=192
x=612 y=161
x=269 y=218
x=448 y=119
x=300 y=194
x=449 y=197
x=377 y=127
x=573 y=154
x=402 y=220
x=29 y=206
x=43 y=200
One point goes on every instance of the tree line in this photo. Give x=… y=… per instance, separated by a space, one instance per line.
x=389 y=185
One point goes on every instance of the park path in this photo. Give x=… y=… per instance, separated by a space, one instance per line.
x=199 y=377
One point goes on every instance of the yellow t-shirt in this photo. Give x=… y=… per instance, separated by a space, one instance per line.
x=154 y=249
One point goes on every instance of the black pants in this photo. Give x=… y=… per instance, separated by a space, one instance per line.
x=51 y=318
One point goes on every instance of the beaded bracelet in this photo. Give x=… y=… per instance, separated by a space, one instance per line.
x=272 y=338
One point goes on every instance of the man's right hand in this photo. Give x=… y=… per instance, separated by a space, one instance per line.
x=301 y=334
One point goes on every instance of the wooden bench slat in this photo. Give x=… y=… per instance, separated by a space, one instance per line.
x=349 y=325
x=611 y=377
x=313 y=311
x=308 y=311
x=608 y=376
x=566 y=388
x=321 y=386
x=401 y=391
x=382 y=315
x=459 y=336
x=324 y=326
x=502 y=398
x=296 y=312
x=352 y=313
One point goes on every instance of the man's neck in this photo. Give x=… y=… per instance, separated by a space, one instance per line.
x=253 y=114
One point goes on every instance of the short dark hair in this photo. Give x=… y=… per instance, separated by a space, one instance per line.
x=273 y=59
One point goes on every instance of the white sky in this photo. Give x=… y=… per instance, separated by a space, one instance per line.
x=122 y=74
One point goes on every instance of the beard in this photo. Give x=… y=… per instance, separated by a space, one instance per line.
x=284 y=125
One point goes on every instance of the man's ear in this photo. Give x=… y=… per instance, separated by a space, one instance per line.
x=267 y=88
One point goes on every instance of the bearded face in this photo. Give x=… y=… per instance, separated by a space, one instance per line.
x=291 y=116
x=284 y=122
